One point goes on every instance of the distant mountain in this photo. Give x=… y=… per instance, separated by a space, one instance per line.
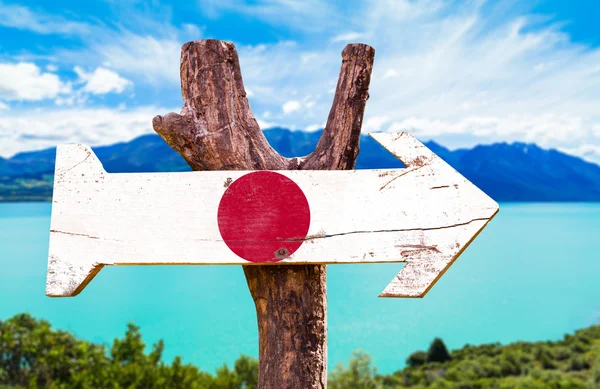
x=507 y=172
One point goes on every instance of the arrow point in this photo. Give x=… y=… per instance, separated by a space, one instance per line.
x=419 y=275
x=468 y=203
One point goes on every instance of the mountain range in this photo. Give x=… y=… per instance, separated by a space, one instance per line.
x=506 y=172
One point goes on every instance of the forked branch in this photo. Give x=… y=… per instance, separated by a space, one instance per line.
x=217 y=131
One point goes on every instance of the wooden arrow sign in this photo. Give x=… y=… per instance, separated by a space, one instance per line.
x=424 y=215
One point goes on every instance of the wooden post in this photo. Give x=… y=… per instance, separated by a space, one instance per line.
x=216 y=130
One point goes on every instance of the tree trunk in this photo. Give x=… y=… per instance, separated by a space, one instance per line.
x=216 y=130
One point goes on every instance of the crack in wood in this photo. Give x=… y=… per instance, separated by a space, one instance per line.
x=323 y=235
x=83 y=235
x=417 y=247
x=74 y=234
x=400 y=230
x=409 y=170
x=77 y=164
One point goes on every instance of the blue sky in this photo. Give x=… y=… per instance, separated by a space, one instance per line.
x=458 y=72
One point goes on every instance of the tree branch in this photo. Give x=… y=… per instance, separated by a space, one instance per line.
x=338 y=146
x=217 y=131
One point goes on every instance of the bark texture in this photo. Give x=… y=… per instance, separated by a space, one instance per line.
x=216 y=130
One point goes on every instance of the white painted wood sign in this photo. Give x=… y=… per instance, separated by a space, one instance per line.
x=424 y=215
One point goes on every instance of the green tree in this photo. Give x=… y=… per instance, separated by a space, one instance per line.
x=34 y=355
x=416 y=359
x=246 y=368
x=437 y=351
x=360 y=374
x=595 y=372
x=226 y=379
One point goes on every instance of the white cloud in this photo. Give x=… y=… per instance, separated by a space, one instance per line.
x=24 y=81
x=395 y=13
x=154 y=59
x=4 y=107
x=291 y=106
x=263 y=124
x=91 y=126
x=143 y=47
x=314 y=127
x=102 y=81
x=15 y=16
x=390 y=73
x=443 y=69
x=587 y=151
x=456 y=72
x=544 y=129
x=303 y=15
x=193 y=31
x=348 y=37
x=375 y=123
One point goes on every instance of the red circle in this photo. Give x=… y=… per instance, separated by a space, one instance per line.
x=263 y=217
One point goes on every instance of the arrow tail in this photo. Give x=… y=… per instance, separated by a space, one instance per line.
x=68 y=274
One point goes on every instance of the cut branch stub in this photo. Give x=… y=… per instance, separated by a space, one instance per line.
x=217 y=131
x=338 y=146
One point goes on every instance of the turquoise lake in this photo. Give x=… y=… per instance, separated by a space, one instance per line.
x=532 y=274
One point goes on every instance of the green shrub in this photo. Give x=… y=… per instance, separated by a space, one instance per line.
x=33 y=355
